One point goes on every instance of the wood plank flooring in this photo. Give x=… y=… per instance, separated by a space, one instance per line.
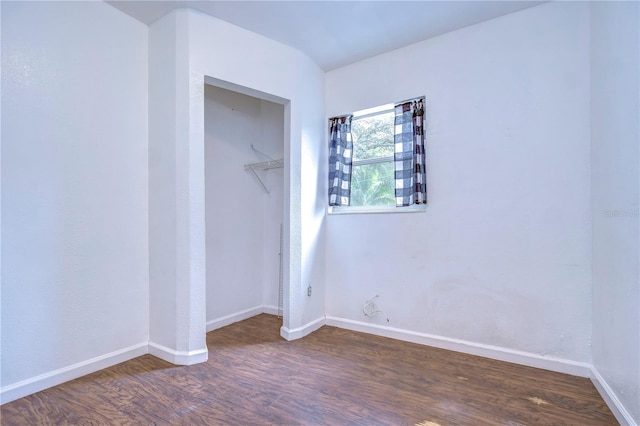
x=331 y=377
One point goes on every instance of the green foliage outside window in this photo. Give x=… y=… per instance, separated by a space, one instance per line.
x=372 y=183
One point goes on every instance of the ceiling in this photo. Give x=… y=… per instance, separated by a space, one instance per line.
x=337 y=33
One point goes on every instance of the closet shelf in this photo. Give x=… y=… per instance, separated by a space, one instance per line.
x=264 y=165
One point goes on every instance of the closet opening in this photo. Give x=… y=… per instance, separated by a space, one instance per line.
x=244 y=206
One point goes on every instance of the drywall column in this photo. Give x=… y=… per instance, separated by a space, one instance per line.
x=615 y=136
x=176 y=222
x=260 y=67
x=313 y=203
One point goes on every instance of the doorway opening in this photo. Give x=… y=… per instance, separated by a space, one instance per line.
x=244 y=205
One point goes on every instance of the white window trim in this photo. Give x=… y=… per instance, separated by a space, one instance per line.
x=370 y=112
x=338 y=210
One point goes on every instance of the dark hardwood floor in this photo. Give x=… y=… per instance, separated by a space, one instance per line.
x=331 y=377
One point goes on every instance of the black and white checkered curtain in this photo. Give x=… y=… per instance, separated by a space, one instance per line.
x=340 y=157
x=409 y=154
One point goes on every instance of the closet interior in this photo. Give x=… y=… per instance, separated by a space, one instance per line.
x=244 y=183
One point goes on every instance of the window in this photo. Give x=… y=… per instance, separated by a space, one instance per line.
x=372 y=174
x=377 y=160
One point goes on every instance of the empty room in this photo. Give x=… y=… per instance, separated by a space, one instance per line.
x=320 y=212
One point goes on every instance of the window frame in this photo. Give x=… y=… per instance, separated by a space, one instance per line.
x=391 y=208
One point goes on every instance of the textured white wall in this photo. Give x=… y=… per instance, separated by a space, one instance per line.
x=615 y=131
x=162 y=187
x=243 y=220
x=74 y=185
x=502 y=255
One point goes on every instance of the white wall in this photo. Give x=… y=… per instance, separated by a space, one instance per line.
x=74 y=188
x=242 y=219
x=615 y=112
x=502 y=255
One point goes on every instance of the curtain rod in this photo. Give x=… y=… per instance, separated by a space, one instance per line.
x=409 y=100
x=394 y=104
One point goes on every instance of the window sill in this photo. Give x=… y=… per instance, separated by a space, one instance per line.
x=415 y=208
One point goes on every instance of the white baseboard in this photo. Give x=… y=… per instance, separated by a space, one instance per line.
x=297 y=333
x=178 y=357
x=53 y=378
x=574 y=368
x=36 y=384
x=235 y=317
x=610 y=398
x=271 y=310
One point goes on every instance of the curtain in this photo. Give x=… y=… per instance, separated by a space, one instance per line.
x=340 y=156
x=409 y=155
